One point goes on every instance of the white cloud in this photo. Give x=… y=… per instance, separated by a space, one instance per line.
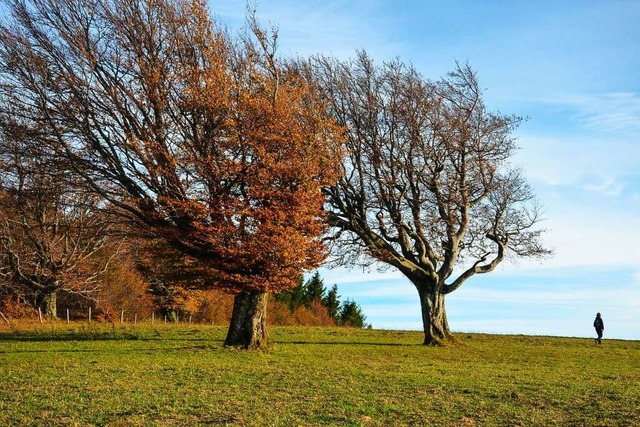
x=346 y=275
x=541 y=307
x=594 y=147
x=397 y=288
x=612 y=295
x=588 y=187
x=561 y=312
x=398 y=312
x=577 y=159
x=617 y=112
x=335 y=28
x=592 y=238
x=606 y=186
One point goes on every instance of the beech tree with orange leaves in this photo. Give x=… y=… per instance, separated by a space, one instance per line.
x=205 y=140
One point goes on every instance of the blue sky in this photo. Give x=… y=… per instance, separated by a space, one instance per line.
x=571 y=67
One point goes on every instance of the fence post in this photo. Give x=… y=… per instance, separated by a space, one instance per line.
x=189 y=318
x=40 y=314
x=121 y=317
x=67 y=315
x=135 y=319
x=153 y=318
x=89 y=314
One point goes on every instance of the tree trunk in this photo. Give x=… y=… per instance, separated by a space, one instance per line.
x=48 y=304
x=434 y=318
x=248 y=328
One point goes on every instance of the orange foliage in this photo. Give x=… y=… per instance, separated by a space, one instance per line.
x=210 y=306
x=123 y=288
x=206 y=141
x=316 y=315
x=14 y=308
x=264 y=169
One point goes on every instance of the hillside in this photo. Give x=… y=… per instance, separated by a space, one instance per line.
x=84 y=375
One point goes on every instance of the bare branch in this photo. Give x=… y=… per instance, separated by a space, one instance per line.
x=426 y=168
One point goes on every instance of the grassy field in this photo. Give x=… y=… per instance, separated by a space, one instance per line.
x=80 y=375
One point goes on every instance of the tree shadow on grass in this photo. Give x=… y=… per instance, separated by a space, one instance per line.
x=89 y=336
x=115 y=351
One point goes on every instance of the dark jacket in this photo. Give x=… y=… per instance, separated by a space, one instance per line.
x=598 y=323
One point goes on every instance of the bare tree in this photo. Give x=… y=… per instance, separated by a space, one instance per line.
x=208 y=142
x=50 y=231
x=427 y=188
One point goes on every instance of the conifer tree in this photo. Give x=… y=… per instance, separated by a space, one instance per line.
x=332 y=302
x=351 y=315
x=314 y=289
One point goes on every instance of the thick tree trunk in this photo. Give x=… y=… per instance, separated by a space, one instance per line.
x=434 y=318
x=47 y=303
x=248 y=328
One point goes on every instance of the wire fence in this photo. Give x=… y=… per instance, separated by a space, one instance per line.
x=69 y=316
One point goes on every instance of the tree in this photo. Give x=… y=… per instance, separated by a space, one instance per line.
x=332 y=302
x=211 y=143
x=351 y=315
x=427 y=187
x=312 y=295
x=51 y=233
x=122 y=288
x=314 y=289
x=293 y=297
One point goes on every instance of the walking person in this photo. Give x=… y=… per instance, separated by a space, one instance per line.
x=599 y=325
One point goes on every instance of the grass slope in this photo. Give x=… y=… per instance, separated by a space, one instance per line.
x=62 y=375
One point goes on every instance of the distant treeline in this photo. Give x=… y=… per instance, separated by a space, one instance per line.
x=124 y=294
x=313 y=292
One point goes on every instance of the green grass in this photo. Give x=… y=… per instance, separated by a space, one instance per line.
x=60 y=375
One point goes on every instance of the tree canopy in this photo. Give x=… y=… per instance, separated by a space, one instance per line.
x=51 y=232
x=426 y=185
x=206 y=140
